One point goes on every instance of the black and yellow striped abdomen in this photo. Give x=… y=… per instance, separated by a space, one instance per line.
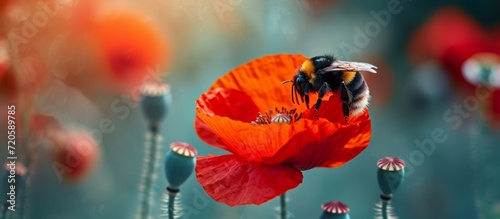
x=360 y=93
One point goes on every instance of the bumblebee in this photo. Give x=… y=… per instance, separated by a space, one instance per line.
x=322 y=74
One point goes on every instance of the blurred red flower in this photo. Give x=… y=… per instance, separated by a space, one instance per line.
x=131 y=47
x=75 y=153
x=4 y=58
x=267 y=153
x=452 y=37
x=4 y=4
x=320 y=6
x=381 y=85
x=22 y=79
x=41 y=124
x=493 y=109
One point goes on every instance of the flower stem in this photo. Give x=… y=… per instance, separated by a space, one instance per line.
x=385 y=205
x=30 y=152
x=4 y=211
x=283 y=206
x=147 y=178
x=171 y=205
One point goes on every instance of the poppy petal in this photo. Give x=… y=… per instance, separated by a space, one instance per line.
x=231 y=103
x=318 y=144
x=324 y=144
x=277 y=143
x=356 y=144
x=207 y=135
x=262 y=78
x=330 y=110
x=235 y=181
x=338 y=144
x=248 y=140
x=262 y=143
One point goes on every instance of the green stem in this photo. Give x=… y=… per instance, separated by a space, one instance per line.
x=147 y=178
x=283 y=206
x=385 y=205
x=22 y=197
x=29 y=154
x=171 y=205
x=4 y=211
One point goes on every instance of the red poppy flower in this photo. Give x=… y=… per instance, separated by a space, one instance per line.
x=269 y=150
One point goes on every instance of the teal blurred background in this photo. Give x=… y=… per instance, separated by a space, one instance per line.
x=458 y=177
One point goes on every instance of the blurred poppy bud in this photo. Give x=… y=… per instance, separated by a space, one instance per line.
x=335 y=210
x=179 y=164
x=390 y=174
x=155 y=100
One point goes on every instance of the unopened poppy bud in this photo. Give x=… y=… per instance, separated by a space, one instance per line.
x=390 y=174
x=179 y=164
x=335 y=210
x=155 y=100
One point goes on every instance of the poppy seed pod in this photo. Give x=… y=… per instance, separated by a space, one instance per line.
x=390 y=174
x=482 y=69
x=155 y=100
x=179 y=164
x=335 y=210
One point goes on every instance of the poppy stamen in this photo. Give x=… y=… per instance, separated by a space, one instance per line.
x=278 y=116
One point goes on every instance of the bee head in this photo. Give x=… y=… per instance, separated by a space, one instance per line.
x=299 y=82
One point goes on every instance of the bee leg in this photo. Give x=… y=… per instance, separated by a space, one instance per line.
x=321 y=94
x=345 y=97
x=345 y=108
x=306 y=94
x=293 y=94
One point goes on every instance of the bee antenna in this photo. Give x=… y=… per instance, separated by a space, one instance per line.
x=287 y=81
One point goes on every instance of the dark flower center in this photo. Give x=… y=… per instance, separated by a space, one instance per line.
x=277 y=116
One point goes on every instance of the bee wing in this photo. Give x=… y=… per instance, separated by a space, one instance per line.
x=351 y=66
